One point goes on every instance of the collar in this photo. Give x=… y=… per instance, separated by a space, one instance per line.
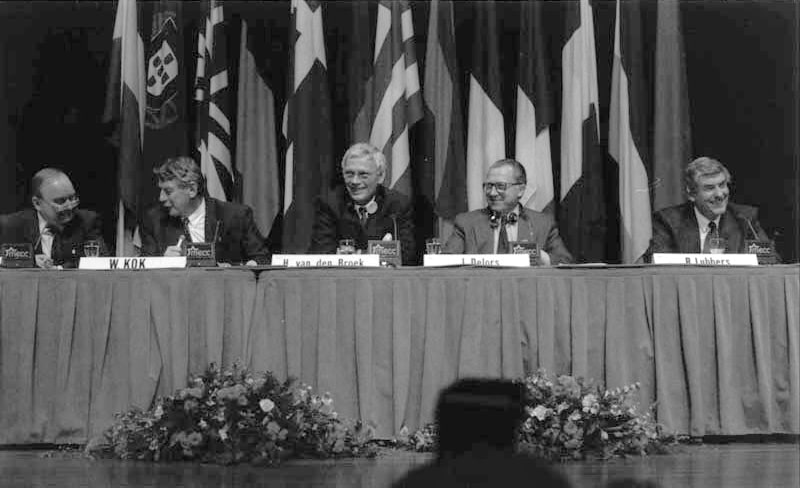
x=702 y=221
x=198 y=217
x=371 y=206
x=41 y=221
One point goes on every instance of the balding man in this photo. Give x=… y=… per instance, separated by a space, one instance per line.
x=55 y=226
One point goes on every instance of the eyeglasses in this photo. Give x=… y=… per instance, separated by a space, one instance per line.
x=500 y=187
x=61 y=203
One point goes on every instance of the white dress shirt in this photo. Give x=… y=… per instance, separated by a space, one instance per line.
x=197 y=223
x=45 y=237
x=702 y=226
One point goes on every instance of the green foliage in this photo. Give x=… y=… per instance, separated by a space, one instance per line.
x=234 y=416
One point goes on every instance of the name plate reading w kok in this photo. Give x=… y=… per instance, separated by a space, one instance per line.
x=326 y=260
x=706 y=259
x=132 y=263
x=488 y=260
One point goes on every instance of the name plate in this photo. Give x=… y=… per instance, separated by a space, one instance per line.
x=132 y=263
x=489 y=260
x=326 y=260
x=706 y=259
x=200 y=254
x=17 y=255
x=389 y=252
x=764 y=250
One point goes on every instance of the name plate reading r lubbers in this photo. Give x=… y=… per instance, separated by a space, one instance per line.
x=488 y=260
x=706 y=259
x=132 y=263
x=326 y=260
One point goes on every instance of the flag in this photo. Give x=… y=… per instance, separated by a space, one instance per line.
x=394 y=102
x=359 y=45
x=444 y=122
x=582 y=209
x=306 y=125
x=165 y=126
x=211 y=94
x=486 y=129
x=256 y=137
x=125 y=103
x=673 y=141
x=534 y=110
x=628 y=132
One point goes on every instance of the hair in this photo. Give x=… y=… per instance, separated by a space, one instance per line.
x=702 y=166
x=41 y=177
x=520 y=174
x=182 y=169
x=474 y=413
x=363 y=150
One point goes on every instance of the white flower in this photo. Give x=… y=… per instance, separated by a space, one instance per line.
x=266 y=405
x=159 y=412
x=540 y=412
x=561 y=407
x=589 y=400
x=223 y=433
x=574 y=416
x=604 y=435
x=202 y=424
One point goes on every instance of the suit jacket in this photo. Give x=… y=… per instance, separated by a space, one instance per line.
x=238 y=241
x=472 y=234
x=23 y=226
x=336 y=218
x=675 y=229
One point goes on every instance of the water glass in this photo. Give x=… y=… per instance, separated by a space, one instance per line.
x=433 y=246
x=91 y=248
x=346 y=246
x=717 y=245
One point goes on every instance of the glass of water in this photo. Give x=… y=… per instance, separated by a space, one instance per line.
x=91 y=248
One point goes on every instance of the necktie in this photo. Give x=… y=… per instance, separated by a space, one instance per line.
x=55 y=248
x=362 y=215
x=186 y=233
x=502 y=242
x=712 y=232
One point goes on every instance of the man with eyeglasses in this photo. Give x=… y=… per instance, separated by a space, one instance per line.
x=490 y=230
x=54 y=226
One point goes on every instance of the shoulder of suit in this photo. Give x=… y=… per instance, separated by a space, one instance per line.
x=533 y=215
x=748 y=211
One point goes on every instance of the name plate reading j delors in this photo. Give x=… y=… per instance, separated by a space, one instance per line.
x=132 y=263
x=490 y=260
x=326 y=260
x=706 y=259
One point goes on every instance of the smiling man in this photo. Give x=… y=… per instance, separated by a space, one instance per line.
x=363 y=209
x=55 y=226
x=187 y=214
x=686 y=228
x=504 y=220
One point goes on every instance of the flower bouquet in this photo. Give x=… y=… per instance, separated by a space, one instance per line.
x=233 y=416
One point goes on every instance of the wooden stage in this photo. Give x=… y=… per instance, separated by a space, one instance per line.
x=690 y=466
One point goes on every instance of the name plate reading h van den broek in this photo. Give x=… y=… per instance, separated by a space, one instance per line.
x=132 y=263
x=326 y=260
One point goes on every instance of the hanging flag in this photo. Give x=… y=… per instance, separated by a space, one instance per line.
x=125 y=103
x=582 y=216
x=306 y=125
x=394 y=101
x=673 y=140
x=534 y=110
x=165 y=126
x=256 y=137
x=444 y=122
x=360 y=69
x=486 y=130
x=211 y=94
x=628 y=132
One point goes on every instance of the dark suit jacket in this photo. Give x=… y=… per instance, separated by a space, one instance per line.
x=472 y=234
x=336 y=218
x=23 y=226
x=239 y=239
x=675 y=229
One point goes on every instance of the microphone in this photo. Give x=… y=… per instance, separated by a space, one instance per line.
x=394 y=226
x=741 y=216
x=216 y=231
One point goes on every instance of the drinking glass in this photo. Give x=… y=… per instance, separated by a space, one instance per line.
x=346 y=246
x=717 y=245
x=91 y=248
x=433 y=246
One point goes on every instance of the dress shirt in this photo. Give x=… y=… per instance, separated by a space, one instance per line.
x=197 y=223
x=702 y=225
x=45 y=236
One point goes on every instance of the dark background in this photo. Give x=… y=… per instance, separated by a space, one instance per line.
x=742 y=68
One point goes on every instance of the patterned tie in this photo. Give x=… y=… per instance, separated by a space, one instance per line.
x=502 y=242
x=712 y=232
x=55 y=248
x=186 y=233
x=362 y=215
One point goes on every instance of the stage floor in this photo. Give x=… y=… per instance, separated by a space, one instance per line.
x=706 y=466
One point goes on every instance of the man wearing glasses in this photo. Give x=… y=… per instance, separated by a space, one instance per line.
x=55 y=226
x=504 y=220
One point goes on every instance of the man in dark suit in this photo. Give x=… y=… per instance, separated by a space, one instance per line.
x=489 y=230
x=186 y=214
x=55 y=226
x=686 y=228
x=364 y=209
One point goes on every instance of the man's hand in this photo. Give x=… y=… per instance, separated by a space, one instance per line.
x=251 y=263
x=544 y=258
x=176 y=250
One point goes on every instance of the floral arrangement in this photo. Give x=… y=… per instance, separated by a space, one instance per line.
x=234 y=416
x=569 y=418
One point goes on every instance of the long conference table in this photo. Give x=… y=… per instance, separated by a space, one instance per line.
x=717 y=349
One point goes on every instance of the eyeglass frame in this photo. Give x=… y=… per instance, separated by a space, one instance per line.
x=487 y=186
